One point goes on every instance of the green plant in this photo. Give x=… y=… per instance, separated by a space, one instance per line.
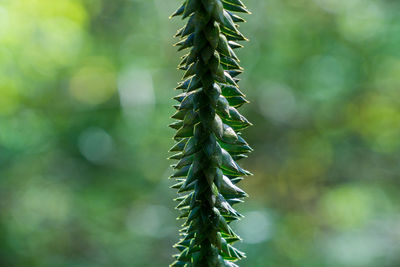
x=208 y=139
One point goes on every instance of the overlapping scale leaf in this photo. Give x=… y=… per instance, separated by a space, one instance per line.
x=208 y=140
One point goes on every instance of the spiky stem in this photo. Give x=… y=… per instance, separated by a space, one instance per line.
x=208 y=139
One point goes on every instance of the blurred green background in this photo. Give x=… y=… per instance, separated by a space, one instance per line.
x=85 y=100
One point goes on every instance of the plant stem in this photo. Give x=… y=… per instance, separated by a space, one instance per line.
x=208 y=133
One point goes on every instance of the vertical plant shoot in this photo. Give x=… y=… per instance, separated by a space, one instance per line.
x=208 y=140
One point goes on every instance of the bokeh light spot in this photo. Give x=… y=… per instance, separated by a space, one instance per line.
x=277 y=102
x=93 y=84
x=135 y=87
x=350 y=207
x=96 y=145
x=150 y=220
x=256 y=227
x=9 y=100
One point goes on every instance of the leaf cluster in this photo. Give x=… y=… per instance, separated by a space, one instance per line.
x=208 y=139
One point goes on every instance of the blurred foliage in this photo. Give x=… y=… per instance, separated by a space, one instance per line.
x=85 y=99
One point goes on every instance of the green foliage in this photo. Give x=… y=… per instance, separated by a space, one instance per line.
x=208 y=133
x=324 y=79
